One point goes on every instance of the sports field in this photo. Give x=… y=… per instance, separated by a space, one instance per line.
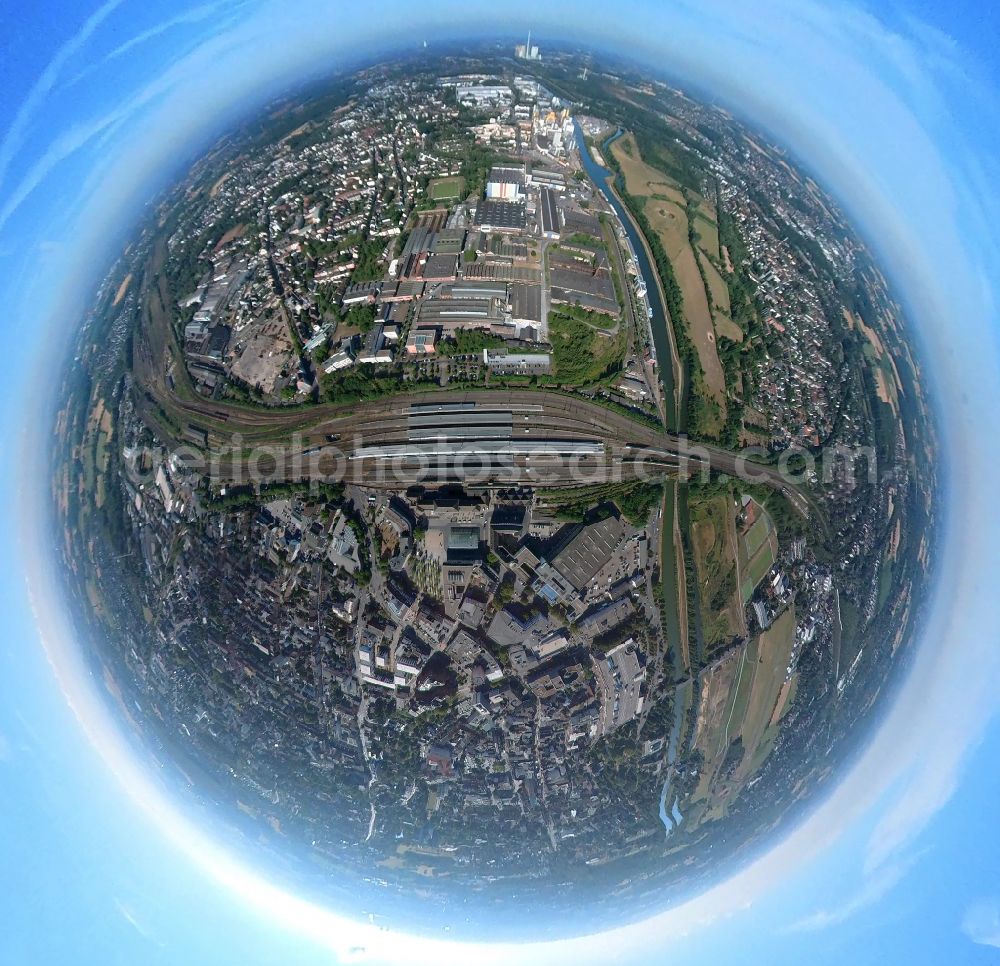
x=446 y=189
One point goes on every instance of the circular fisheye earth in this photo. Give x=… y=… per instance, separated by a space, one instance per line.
x=500 y=488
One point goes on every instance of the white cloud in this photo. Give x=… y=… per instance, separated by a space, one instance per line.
x=97 y=130
x=195 y=15
x=981 y=922
x=128 y=912
x=46 y=82
x=874 y=888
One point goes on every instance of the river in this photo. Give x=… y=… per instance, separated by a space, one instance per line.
x=681 y=696
x=601 y=176
x=672 y=505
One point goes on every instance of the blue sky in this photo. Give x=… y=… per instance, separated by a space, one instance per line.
x=893 y=107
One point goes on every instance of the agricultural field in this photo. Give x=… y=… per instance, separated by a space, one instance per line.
x=718 y=292
x=642 y=179
x=786 y=698
x=666 y=208
x=773 y=652
x=717 y=287
x=888 y=385
x=122 y=289
x=713 y=539
x=707 y=231
x=670 y=499
x=719 y=685
x=95 y=453
x=758 y=548
x=743 y=699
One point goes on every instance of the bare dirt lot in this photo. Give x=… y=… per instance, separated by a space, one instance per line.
x=122 y=289
x=262 y=354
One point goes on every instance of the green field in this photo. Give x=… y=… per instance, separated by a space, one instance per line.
x=740 y=697
x=759 y=551
x=446 y=189
x=708 y=233
x=580 y=354
x=885 y=583
x=715 y=564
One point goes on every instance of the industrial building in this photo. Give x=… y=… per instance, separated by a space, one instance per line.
x=422 y=341
x=501 y=216
x=517 y=363
x=483 y=95
x=526 y=304
x=449 y=315
x=527 y=51
x=549 y=214
x=506 y=183
x=587 y=551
